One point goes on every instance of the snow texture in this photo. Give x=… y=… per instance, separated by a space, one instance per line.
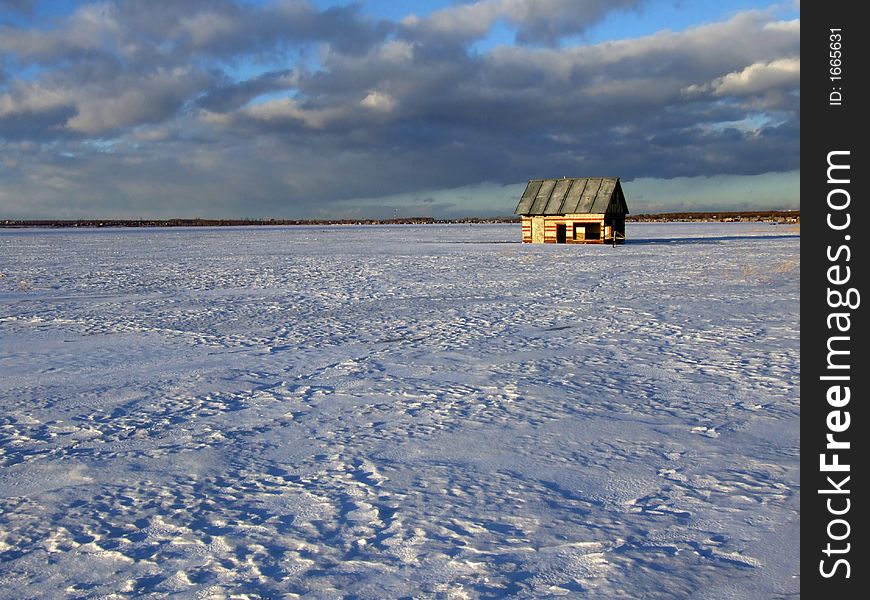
x=385 y=412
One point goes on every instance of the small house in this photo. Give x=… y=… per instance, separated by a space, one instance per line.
x=581 y=210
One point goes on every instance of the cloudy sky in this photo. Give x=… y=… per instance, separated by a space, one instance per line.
x=326 y=108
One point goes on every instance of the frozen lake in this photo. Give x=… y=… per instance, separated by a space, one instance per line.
x=399 y=411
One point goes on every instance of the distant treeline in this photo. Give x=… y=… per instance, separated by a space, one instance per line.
x=771 y=216
x=778 y=216
x=55 y=223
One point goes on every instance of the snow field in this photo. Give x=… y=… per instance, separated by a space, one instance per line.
x=385 y=412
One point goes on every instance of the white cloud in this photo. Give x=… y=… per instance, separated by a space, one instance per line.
x=760 y=77
x=764 y=84
x=289 y=109
x=91 y=27
x=379 y=102
x=26 y=97
x=205 y=28
x=793 y=26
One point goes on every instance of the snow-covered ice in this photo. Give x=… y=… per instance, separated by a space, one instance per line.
x=385 y=412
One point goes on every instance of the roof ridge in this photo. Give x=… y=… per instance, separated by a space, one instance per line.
x=570 y=178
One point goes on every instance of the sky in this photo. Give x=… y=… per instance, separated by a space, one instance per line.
x=329 y=109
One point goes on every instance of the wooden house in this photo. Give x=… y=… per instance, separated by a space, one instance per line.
x=582 y=210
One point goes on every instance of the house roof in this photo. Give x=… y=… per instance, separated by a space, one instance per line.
x=572 y=196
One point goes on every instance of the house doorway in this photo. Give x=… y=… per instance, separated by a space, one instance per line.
x=560 y=233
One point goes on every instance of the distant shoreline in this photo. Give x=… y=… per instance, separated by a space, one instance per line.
x=768 y=216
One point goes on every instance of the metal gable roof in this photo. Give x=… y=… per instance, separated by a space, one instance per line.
x=572 y=198
x=572 y=195
x=525 y=205
x=543 y=196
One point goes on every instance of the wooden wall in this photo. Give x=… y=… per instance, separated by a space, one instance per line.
x=527 y=230
x=551 y=223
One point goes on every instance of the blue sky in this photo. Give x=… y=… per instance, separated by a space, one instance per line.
x=313 y=109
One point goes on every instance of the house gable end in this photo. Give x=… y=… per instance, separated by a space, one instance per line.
x=617 y=204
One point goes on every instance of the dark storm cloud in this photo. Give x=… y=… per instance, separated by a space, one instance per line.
x=537 y=21
x=140 y=107
x=35 y=126
x=167 y=30
x=645 y=96
x=24 y=6
x=226 y=27
x=229 y=95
